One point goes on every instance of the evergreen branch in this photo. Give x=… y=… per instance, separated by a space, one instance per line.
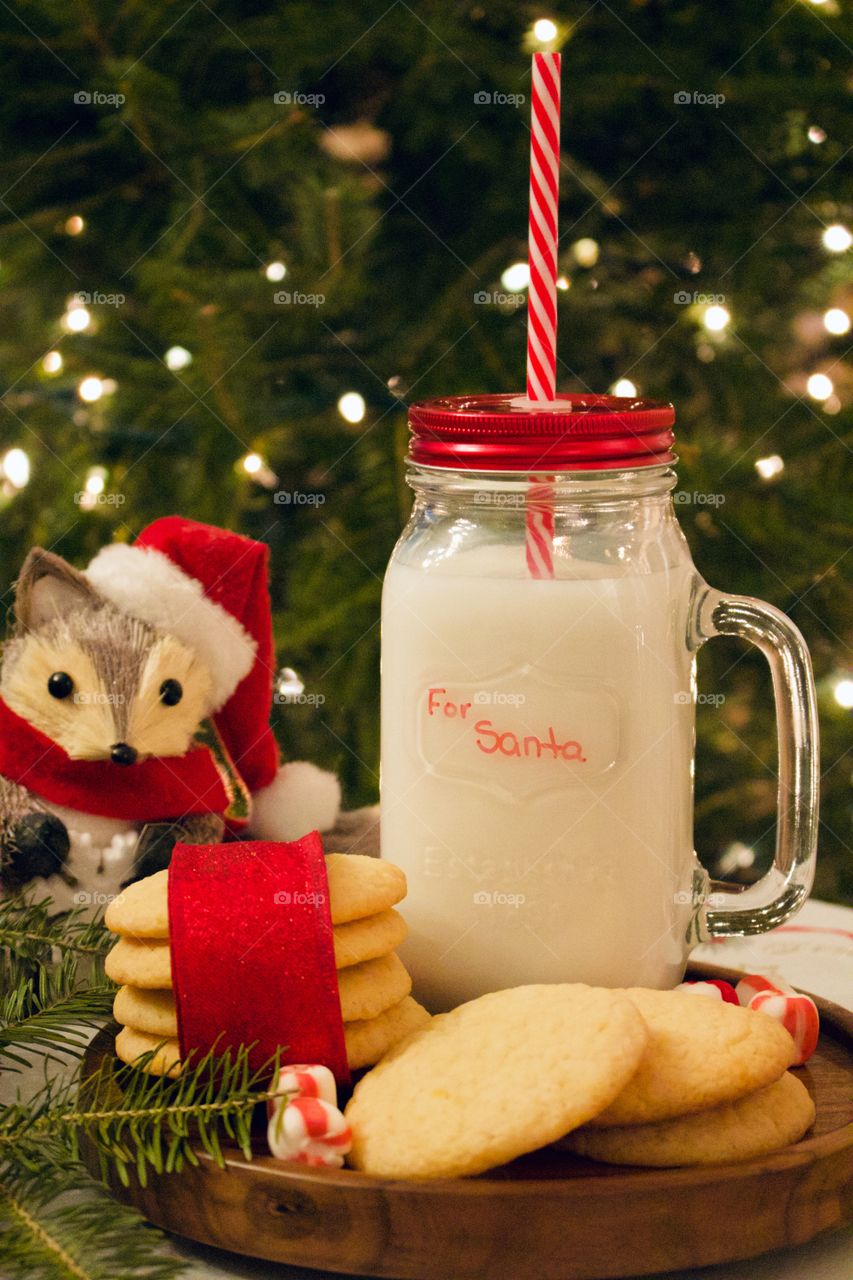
x=136 y=1121
x=28 y=931
x=56 y=1018
x=56 y=1224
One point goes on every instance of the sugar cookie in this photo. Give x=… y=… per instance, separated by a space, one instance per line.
x=764 y=1121
x=496 y=1077
x=701 y=1053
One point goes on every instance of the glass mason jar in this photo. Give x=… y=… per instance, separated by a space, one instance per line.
x=541 y=616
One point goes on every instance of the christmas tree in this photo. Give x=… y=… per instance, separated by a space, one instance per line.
x=236 y=240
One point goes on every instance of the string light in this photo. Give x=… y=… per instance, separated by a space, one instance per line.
x=177 y=358
x=75 y=225
x=352 y=407
x=716 y=318
x=275 y=271
x=52 y=362
x=770 y=467
x=586 y=251
x=816 y=134
x=16 y=468
x=544 y=30
x=819 y=386
x=255 y=466
x=564 y=283
x=837 y=238
x=516 y=276
x=836 y=321
x=843 y=694
x=624 y=387
x=76 y=318
x=90 y=389
x=95 y=482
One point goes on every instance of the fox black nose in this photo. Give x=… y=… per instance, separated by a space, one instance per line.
x=123 y=753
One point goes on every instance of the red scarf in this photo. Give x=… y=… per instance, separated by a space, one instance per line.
x=152 y=790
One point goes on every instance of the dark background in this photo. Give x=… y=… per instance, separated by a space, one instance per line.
x=386 y=188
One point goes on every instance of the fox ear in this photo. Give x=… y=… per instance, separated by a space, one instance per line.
x=48 y=588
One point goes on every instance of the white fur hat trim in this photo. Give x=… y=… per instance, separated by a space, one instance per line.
x=146 y=584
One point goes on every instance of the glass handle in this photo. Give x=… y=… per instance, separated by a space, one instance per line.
x=782 y=891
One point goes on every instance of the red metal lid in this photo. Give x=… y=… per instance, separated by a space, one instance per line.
x=509 y=433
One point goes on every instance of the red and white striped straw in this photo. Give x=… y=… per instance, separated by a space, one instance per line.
x=542 y=294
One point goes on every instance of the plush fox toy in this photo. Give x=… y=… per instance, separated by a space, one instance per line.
x=134 y=712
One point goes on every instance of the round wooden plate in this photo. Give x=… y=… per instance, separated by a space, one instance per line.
x=549 y=1214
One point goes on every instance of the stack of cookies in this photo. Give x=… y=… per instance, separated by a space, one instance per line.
x=635 y=1077
x=374 y=985
x=712 y=1087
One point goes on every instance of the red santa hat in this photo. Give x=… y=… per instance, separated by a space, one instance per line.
x=209 y=587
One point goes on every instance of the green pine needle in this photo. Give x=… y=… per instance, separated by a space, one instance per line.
x=29 y=932
x=56 y=1225
x=136 y=1122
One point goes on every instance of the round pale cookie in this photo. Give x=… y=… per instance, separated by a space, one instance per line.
x=368 y=989
x=764 y=1121
x=142 y=909
x=166 y=1061
x=368 y=938
x=360 y=886
x=146 y=962
x=150 y=1011
x=370 y=1040
x=496 y=1077
x=140 y=962
x=701 y=1053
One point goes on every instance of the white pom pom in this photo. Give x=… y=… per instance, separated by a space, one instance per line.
x=301 y=798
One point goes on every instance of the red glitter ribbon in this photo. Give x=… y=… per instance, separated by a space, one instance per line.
x=253 y=957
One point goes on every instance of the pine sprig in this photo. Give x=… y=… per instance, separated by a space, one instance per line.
x=53 y=1011
x=29 y=932
x=137 y=1122
x=53 y=1224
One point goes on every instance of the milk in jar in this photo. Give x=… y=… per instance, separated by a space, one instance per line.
x=541 y=615
x=533 y=734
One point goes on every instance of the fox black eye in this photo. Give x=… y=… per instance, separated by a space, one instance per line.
x=171 y=692
x=60 y=685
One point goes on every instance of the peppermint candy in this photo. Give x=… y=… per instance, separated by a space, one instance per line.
x=716 y=988
x=798 y=1015
x=304 y=1123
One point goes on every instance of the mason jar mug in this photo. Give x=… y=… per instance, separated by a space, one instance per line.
x=541 y=616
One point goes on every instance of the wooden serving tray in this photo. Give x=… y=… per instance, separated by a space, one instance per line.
x=549 y=1214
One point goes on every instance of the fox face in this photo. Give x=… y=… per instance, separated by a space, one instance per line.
x=99 y=683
